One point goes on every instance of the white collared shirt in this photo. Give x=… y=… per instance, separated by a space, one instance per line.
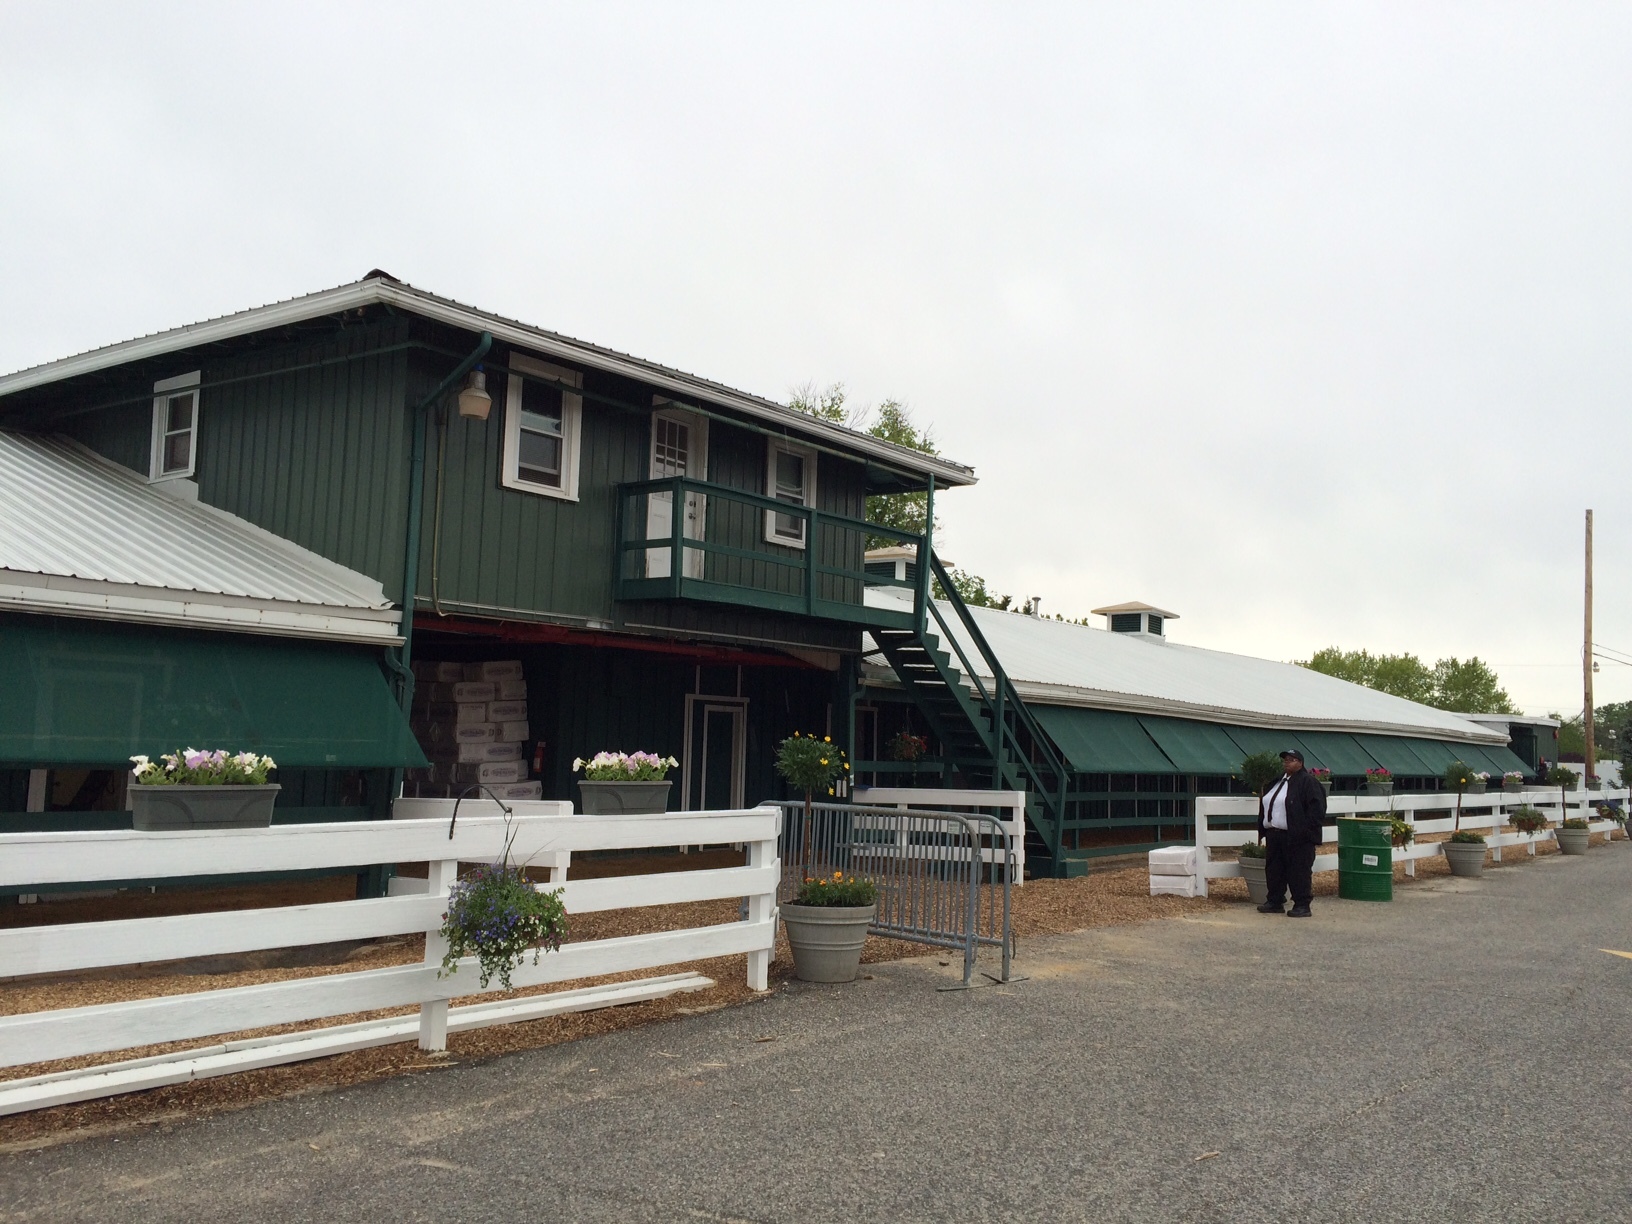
x=1275 y=804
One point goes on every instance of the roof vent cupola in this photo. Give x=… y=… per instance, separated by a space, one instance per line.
x=1140 y=619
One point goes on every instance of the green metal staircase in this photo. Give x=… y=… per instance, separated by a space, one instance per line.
x=985 y=730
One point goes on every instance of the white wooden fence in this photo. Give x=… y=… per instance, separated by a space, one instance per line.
x=1428 y=814
x=1007 y=806
x=541 y=835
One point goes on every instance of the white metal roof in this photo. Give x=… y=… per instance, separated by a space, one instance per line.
x=1055 y=663
x=82 y=536
x=379 y=288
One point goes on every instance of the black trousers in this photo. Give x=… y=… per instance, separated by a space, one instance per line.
x=1290 y=865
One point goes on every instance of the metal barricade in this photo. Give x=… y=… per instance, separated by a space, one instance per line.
x=943 y=878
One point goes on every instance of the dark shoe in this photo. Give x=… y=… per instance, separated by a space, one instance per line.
x=1299 y=911
x=1276 y=907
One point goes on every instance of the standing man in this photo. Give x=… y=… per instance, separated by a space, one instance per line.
x=1291 y=816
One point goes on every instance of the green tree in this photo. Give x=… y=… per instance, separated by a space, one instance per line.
x=972 y=589
x=892 y=421
x=1467 y=686
x=1610 y=724
x=1403 y=675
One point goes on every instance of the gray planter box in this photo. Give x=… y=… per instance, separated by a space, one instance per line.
x=1477 y=788
x=1464 y=858
x=155 y=808
x=1252 y=871
x=624 y=798
x=1573 y=841
x=1512 y=788
x=827 y=940
x=1379 y=788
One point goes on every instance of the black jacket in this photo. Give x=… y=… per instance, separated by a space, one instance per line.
x=1305 y=808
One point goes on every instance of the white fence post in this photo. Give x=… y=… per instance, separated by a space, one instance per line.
x=1203 y=853
x=433 y=1015
x=761 y=908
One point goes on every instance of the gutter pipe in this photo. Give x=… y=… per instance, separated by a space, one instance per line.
x=399 y=660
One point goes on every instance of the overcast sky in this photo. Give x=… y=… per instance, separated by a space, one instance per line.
x=1307 y=322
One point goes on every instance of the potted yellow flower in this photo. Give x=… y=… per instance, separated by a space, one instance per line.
x=827 y=926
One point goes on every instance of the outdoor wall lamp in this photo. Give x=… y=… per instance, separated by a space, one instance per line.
x=474 y=401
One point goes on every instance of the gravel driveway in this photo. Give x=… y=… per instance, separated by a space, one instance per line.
x=1457 y=1054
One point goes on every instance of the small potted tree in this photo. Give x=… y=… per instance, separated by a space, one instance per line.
x=1458 y=777
x=1259 y=772
x=1379 y=781
x=1572 y=834
x=202 y=789
x=624 y=784
x=827 y=925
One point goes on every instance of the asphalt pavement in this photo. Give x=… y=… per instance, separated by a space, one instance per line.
x=1459 y=1054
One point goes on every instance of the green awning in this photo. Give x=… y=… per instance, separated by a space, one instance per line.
x=1496 y=759
x=1440 y=756
x=1335 y=751
x=1194 y=747
x=86 y=692
x=1253 y=740
x=1504 y=760
x=1101 y=741
x=1398 y=755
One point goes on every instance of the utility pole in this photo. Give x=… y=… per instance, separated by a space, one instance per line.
x=1586 y=663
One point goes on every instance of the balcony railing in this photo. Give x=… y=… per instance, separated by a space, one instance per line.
x=739 y=548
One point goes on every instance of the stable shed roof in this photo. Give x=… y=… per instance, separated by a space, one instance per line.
x=82 y=536
x=1058 y=663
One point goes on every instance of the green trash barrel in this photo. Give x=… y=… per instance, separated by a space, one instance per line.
x=1365 y=859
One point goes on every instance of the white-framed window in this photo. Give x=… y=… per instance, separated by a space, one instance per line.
x=790 y=476
x=541 y=429
x=174 y=452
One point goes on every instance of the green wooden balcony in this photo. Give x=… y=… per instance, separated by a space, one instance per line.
x=740 y=548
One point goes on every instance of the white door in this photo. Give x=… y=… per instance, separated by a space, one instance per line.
x=679 y=448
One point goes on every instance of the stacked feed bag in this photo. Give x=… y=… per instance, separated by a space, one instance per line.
x=471 y=720
x=1173 y=872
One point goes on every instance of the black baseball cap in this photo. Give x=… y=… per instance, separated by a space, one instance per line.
x=1292 y=752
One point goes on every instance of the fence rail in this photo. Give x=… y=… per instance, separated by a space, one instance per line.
x=30 y=859
x=1224 y=822
x=943 y=878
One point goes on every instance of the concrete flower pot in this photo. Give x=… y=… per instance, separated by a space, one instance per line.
x=154 y=808
x=624 y=798
x=1379 y=788
x=1464 y=858
x=1477 y=788
x=1512 y=788
x=1573 y=841
x=827 y=940
x=1252 y=871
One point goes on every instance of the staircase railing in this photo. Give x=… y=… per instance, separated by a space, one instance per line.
x=1002 y=699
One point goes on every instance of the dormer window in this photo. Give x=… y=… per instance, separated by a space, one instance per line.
x=1137 y=618
x=175 y=428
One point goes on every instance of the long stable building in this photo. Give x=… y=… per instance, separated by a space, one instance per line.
x=266 y=530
